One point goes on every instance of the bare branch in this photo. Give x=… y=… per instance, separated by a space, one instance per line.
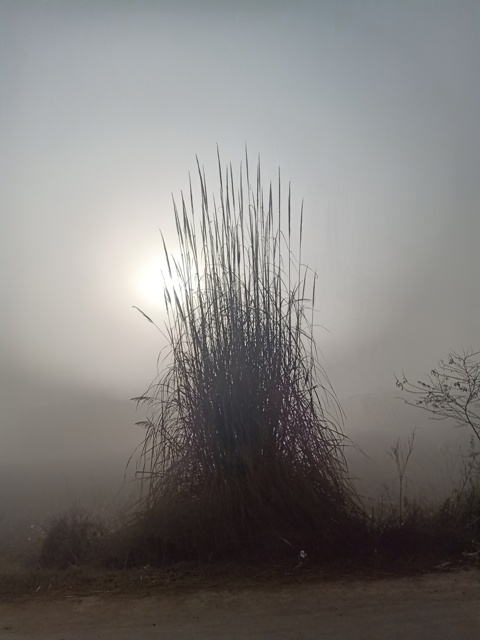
x=451 y=391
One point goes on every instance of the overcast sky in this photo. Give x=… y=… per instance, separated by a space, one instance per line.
x=370 y=108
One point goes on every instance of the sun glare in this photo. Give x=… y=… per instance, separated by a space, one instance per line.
x=152 y=277
x=151 y=280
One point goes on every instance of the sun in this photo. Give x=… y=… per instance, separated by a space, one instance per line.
x=151 y=279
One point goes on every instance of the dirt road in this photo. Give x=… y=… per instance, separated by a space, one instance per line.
x=433 y=607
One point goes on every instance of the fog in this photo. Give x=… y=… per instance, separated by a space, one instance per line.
x=372 y=111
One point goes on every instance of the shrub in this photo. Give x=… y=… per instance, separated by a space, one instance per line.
x=243 y=446
x=72 y=539
x=452 y=392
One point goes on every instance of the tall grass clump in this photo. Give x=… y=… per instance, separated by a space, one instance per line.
x=243 y=448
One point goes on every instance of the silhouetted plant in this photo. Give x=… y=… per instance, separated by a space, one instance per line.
x=72 y=539
x=400 y=453
x=243 y=446
x=452 y=391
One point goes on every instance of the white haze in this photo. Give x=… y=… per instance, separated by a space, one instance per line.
x=370 y=108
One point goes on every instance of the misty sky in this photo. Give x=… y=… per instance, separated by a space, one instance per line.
x=370 y=108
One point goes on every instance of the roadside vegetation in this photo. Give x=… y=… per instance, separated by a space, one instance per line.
x=243 y=452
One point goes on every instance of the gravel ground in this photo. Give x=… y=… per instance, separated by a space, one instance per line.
x=429 y=607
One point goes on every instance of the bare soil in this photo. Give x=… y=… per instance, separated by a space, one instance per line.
x=442 y=605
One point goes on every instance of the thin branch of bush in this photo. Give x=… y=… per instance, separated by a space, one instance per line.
x=400 y=453
x=452 y=391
